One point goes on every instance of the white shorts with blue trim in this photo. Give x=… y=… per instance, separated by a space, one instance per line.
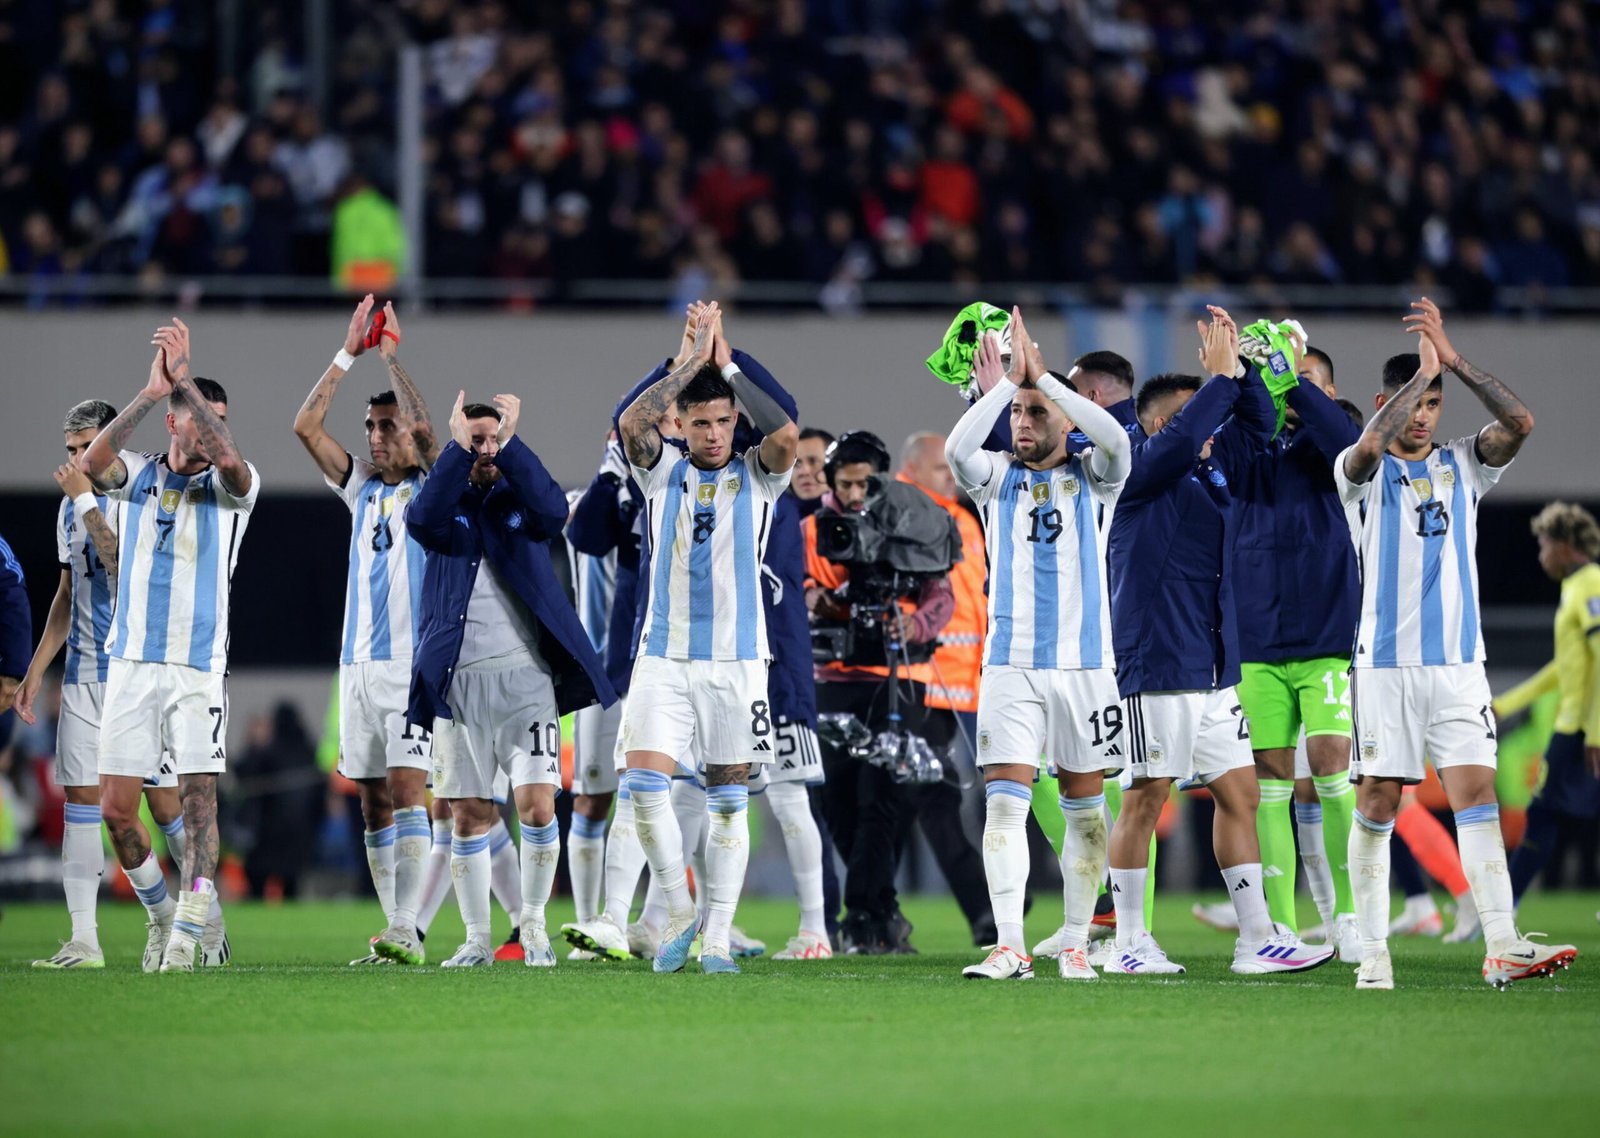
x=154 y=712
x=1407 y=717
x=1067 y=718
x=373 y=733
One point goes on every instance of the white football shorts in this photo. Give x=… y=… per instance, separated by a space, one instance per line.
x=152 y=711
x=715 y=710
x=1068 y=718
x=373 y=733
x=78 y=740
x=503 y=719
x=1199 y=735
x=1404 y=716
x=594 y=749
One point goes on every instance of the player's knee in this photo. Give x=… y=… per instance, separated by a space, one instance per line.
x=118 y=815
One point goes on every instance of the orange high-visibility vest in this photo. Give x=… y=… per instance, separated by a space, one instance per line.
x=959 y=659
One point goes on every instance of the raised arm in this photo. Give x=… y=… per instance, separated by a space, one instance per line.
x=1499 y=442
x=326 y=451
x=771 y=409
x=1113 y=450
x=99 y=460
x=640 y=439
x=413 y=408
x=75 y=484
x=1361 y=461
x=1324 y=421
x=527 y=477
x=231 y=466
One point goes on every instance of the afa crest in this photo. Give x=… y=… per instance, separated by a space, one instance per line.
x=194 y=495
x=1447 y=479
x=169 y=500
x=1041 y=493
x=705 y=493
x=984 y=740
x=1069 y=487
x=1423 y=487
x=732 y=485
x=405 y=494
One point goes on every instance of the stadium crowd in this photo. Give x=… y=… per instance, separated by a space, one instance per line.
x=911 y=141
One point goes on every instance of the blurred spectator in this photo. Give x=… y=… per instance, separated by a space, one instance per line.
x=282 y=795
x=369 y=242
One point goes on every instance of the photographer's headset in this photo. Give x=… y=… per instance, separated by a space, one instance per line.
x=852 y=447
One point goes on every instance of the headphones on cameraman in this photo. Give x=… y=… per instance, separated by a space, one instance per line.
x=858 y=442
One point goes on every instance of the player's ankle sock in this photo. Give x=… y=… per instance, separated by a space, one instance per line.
x=586 y=864
x=151 y=886
x=1127 y=897
x=412 y=841
x=653 y=913
x=83 y=863
x=1275 y=832
x=435 y=876
x=1483 y=855
x=1369 y=881
x=1083 y=863
x=541 y=849
x=380 y=860
x=1430 y=843
x=177 y=843
x=1314 y=859
x=469 y=869
x=661 y=839
x=1337 y=796
x=802 y=841
x=1249 y=901
x=727 y=857
x=505 y=870
x=194 y=906
x=1005 y=856
x=624 y=860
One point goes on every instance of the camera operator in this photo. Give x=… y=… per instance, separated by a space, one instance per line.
x=862 y=801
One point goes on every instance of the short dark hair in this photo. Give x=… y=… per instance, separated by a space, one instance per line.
x=816 y=433
x=1161 y=386
x=1327 y=360
x=1064 y=381
x=1107 y=363
x=210 y=390
x=1398 y=370
x=480 y=411
x=1353 y=411
x=705 y=386
x=385 y=399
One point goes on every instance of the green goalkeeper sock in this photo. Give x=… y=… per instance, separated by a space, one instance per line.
x=1338 y=798
x=1275 y=830
x=1047 y=812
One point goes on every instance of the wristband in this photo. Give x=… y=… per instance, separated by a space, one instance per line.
x=729 y=371
x=85 y=502
x=344 y=361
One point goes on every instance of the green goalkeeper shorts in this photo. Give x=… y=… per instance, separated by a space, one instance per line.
x=1281 y=698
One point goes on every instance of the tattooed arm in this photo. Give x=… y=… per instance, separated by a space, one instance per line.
x=99 y=460
x=1499 y=442
x=326 y=451
x=637 y=424
x=74 y=482
x=413 y=408
x=1361 y=461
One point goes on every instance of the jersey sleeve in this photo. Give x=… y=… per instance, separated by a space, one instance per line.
x=1102 y=489
x=993 y=465
x=772 y=485
x=653 y=479
x=1480 y=474
x=63 y=555
x=243 y=502
x=1352 y=492
x=135 y=464
x=354 y=479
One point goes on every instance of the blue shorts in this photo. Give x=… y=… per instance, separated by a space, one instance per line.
x=1568 y=787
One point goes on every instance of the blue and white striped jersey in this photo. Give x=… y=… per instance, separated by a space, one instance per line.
x=384 y=585
x=708 y=532
x=1415 y=528
x=92 y=591
x=594 y=584
x=177 y=544
x=1045 y=531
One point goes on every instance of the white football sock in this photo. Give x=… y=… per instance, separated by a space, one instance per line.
x=1249 y=901
x=802 y=841
x=1483 y=859
x=469 y=868
x=380 y=860
x=177 y=843
x=624 y=860
x=1369 y=882
x=541 y=849
x=727 y=857
x=151 y=885
x=586 y=863
x=412 y=842
x=1127 y=898
x=436 y=876
x=83 y=863
x=1314 y=859
x=653 y=914
x=505 y=871
x=1083 y=864
x=1005 y=857
x=661 y=839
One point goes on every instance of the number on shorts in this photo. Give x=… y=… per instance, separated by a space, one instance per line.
x=704 y=523
x=413 y=731
x=1047 y=521
x=551 y=733
x=1237 y=710
x=760 y=718
x=1333 y=688
x=1113 y=724
x=1488 y=722
x=216 y=728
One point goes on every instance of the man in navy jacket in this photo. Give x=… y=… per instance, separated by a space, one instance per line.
x=500 y=656
x=1300 y=599
x=16 y=628
x=1175 y=636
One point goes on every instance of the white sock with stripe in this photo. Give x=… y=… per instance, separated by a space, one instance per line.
x=727 y=857
x=661 y=839
x=436 y=877
x=177 y=843
x=624 y=860
x=1369 y=882
x=469 y=868
x=689 y=808
x=1005 y=857
x=83 y=864
x=1483 y=859
x=150 y=884
x=505 y=871
x=380 y=861
x=412 y=843
x=1083 y=864
x=541 y=850
x=586 y=863
x=1314 y=859
x=802 y=841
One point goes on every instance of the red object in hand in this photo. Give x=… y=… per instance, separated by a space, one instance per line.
x=376 y=333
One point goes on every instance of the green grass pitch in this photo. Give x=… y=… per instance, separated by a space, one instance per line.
x=289 y=1041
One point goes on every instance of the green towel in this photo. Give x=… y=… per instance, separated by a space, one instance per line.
x=1267 y=347
x=952 y=363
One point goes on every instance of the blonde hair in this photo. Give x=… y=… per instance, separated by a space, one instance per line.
x=1564 y=521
